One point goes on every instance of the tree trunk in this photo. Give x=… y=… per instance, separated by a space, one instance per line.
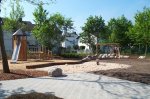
x=145 y=49
x=139 y=48
x=3 y=52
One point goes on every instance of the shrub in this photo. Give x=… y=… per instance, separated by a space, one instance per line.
x=73 y=55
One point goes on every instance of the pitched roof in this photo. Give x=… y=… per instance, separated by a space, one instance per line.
x=19 y=33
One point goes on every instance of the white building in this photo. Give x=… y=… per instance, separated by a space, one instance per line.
x=84 y=48
x=71 y=39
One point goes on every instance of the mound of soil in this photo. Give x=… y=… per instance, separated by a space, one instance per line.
x=33 y=95
x=20 y=74
x=131 y=76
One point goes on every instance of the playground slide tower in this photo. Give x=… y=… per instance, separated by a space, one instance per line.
x=19 y=47
x=16 y=52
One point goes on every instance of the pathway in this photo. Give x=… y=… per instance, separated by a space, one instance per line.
x=78 y=86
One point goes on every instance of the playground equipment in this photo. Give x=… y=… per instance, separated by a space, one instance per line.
x=19 y=46
x=114 y=52
x=20 y=49
x=38 y=52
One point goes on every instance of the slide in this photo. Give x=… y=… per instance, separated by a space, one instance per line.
x=16 y=52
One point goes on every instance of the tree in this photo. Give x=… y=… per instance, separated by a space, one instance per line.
x=11 y=24
x=48 y=30
x=96 y=26
x=118 y=28
x=68 y=25
x=3 y=52
x=93 y=30
x=4 y=55
x=14 y=21
x=140 y=33
x=58 y=24
x=88 y=39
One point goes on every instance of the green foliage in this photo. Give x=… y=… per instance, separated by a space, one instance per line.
x=76 y=47
x=73 y=55
x=14 y=21
x=68 y=25
x=140 y=33
x=4 y=56
x=48 y=30
x=82 y=47
x=87 y=38
x=118 y=28
x=17 y=11
x=93 y=30
x=41 y=29
x=94 y=25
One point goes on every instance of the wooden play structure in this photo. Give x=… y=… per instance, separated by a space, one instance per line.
x=39 y=52
x=19 y=46
x=113 y=52
x=21 y=52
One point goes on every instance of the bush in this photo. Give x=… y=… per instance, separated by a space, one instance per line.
x=73 y=55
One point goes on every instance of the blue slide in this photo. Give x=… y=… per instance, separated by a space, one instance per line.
x=16 y=52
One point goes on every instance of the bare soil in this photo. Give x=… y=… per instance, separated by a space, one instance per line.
x=138 y=72
x=33 y=95
x=20 y=74
x=136 y=77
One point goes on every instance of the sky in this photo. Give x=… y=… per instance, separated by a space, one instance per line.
x=80 y=10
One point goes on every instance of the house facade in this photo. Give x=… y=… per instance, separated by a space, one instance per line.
x=71 y=40
x=84 y=48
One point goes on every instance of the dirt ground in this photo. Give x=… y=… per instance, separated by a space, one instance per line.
x=130 y=69
x=139 y=70
x=135 y=65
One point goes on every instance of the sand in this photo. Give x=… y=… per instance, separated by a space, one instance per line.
x=87 y=67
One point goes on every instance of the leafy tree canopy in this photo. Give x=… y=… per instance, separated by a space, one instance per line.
x=14 y=21
x=93 y=30
x=140 y=33
x=118 y=28
x=94 y=25
x=48 y=30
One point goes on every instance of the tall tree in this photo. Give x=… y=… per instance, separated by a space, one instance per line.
x=95 y=25
x=140 y=33
x=57 y=24
x=48 y=30
x=93 y=31
x=11 y=24
x=118 y=28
